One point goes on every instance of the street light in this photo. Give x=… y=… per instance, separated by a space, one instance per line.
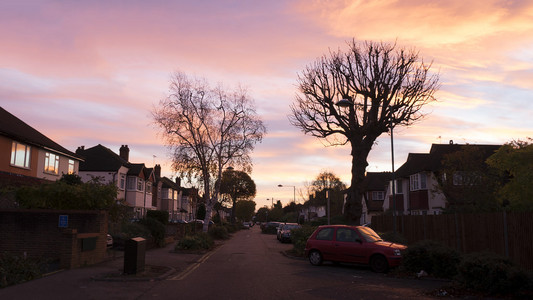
x=294 y=196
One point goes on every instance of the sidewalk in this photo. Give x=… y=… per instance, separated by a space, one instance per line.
x=95 y=282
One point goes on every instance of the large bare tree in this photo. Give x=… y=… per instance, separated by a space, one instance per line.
x=380 y=86
x=207 y=128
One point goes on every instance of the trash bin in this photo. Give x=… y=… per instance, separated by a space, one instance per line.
x=134 y=255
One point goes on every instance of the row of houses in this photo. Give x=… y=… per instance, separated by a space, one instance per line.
x=417 y=190
x=29 y=157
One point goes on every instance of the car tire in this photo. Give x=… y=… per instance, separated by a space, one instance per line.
x=379 y=263
x=315 y=258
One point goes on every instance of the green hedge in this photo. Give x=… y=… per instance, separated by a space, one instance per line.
x=299 y=238
x=434 y=258
x=16 y=269
x=199 y=241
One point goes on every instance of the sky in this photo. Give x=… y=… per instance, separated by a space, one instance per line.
x=91 y=72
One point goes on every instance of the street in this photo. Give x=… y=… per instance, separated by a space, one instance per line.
x=251 y=266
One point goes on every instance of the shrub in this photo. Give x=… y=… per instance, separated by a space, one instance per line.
x=157 y=230
x=218 y=232
x=299 y=238
x=491 y=273
x=433 y=257
x=16 y=269
x=160 y=215
x=199 y=241
x=131 y=230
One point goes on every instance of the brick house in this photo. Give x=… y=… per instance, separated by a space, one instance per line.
x=375 y=186
x=134 y=180
x=29 y=157
x=168 y=196
x=417 y=191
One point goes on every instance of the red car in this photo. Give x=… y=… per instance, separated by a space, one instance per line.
x=353 y=244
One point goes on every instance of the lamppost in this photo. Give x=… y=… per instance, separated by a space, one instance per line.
x=294 y=187
x=272 y=202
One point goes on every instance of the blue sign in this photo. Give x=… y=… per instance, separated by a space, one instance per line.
x=63 y=221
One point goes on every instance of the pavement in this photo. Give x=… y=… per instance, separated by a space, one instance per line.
x=96 y=281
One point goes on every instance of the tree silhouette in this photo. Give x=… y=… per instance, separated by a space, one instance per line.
x=380 y=87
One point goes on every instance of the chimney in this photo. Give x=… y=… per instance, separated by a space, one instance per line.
x=178 y=181
x=124 y=153
x=157 y=171
x=80 y=148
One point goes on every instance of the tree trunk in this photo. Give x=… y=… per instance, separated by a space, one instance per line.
x=354 y=202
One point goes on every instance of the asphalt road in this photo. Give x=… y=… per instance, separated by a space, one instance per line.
x=251 y=266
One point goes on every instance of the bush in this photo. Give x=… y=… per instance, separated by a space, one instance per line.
x=491 y=273
x=160 y=215
x=15 y=269
x=199 y=241
x=131 y=230
x=433 y=257
x=157 y=230
x=299 y=238
x=218 y=232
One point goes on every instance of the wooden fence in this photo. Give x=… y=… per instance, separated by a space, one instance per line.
x=507 y=234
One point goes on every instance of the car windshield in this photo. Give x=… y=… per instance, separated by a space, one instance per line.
x=369 y=235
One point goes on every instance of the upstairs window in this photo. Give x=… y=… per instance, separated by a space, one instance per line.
x=148 y=187
x=140 y=185
x=20 y=155
x=397 y=185
x=132 y=181
x=378 y=195
x=418 y=182
x=51 y=163
x=122 y=181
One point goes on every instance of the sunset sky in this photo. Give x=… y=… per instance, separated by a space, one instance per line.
x=90 y=72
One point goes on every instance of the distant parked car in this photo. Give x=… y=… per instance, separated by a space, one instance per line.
x=285 y=232
x=109 y=241
x=270 y=227
x=352 y=244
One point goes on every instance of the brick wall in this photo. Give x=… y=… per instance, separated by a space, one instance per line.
x=36 y=233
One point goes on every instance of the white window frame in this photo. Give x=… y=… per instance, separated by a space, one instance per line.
x=131 y=183
x=122 y=181
x=398 y=186
x=378 y=195
x=418 y=182
x=140 y=184
x=71 y=167
x=20 y=155
x=51 y=163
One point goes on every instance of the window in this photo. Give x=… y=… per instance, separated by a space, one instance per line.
x=122 y=181
x=398 y=186
x=140 y=185
x=346 y=235
x=51 y=163
x=418 y=182
x=130 y=184
x=325 y=234
x=148 y=187
x=70 y=166
x=378 y=195
x=20 y=155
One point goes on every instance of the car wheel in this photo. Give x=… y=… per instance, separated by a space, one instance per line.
x=315 y=258
x=379 y=264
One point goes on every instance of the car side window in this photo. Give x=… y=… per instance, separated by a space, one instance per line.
x=346 y=235
x=325 y=234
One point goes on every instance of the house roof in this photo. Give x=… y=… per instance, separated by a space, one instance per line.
x=16 y=129
x=377 y=181
x=168 y=183
x=432 y=161
x=100 y=158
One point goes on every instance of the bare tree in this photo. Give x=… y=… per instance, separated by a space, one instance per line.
x=207 y=129
x=380 y=87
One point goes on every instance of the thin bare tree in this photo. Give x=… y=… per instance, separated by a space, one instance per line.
x=380 y=86
x=207 y=129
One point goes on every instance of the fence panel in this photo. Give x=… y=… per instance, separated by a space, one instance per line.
x=507 y=234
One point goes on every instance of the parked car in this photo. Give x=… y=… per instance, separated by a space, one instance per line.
x=285 y=231
x=352 y=244
x=109 y=241
x=270 y=227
